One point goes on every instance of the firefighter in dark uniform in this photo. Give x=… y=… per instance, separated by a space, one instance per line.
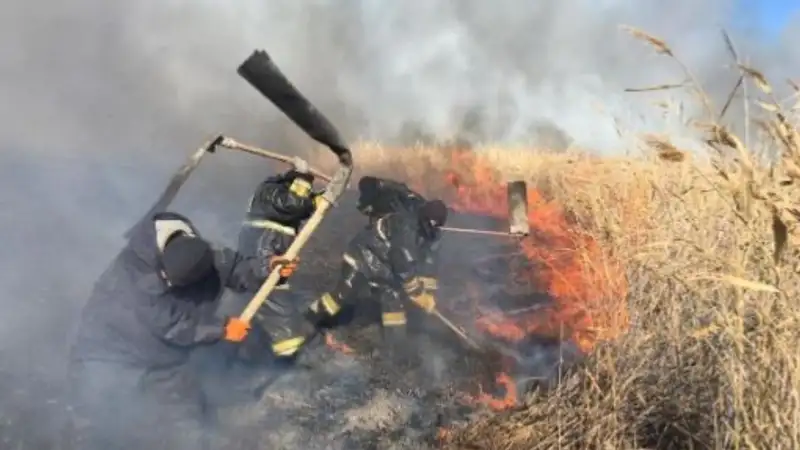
x=276 y=212
x=154 y=305
x=383 y=263
x=381 y=196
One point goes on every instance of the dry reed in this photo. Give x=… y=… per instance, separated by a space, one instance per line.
x=712 y=360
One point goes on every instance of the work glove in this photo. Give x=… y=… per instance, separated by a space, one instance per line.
x=429 y=283
x=318 y=200
x=300 y=165
x=236 y=330
x=425 y=301
x=288 y=266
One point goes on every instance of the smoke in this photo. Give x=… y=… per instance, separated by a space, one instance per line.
x=102 y=100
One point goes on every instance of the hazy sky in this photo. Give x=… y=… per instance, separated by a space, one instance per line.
x=771 y=16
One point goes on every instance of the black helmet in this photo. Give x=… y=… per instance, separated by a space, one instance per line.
x=433 y=213
x=368 y=184
x=368 y=188
x=187 y=260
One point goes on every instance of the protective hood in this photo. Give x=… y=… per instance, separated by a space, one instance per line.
x=150 y=236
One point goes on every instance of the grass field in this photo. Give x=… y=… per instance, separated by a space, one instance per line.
x=710 y=357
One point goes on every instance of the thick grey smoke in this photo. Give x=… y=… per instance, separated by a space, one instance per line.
x=102 y=100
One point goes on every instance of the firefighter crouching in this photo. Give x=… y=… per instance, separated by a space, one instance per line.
x=132 y=385
x=379 y=197
x=382 y=263
x=277 y=211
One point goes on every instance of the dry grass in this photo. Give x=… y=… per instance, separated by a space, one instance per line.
x=712 y=359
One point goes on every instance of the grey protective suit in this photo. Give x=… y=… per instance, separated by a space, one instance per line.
x=131 y=387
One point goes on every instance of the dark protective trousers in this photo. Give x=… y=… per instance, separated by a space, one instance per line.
x=354 y=291
x=119 y=408
x=280 y=327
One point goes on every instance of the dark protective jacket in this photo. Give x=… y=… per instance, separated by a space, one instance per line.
x=273 y=218
x=389 y=252
x=133 y=319
x=389 y=196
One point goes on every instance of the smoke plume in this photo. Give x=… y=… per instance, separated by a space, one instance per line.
x=102 y=100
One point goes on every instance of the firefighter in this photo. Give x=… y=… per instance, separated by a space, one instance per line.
x=148 y=311
x=381 y=196
x=277 y=210
x=382 y=263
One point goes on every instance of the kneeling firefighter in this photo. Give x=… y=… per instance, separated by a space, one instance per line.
x=277 y=210
x=148 y=312
x=383 y=263
x=379 y=197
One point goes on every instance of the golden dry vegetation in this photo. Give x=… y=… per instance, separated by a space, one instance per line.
x=712 y=355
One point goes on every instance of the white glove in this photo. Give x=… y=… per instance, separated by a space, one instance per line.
x=300 y=164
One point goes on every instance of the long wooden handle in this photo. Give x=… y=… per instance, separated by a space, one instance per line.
x=236 y=145
x=291 y=253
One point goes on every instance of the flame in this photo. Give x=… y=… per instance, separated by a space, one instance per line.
x=509 y=400
x=587 y=286
x=337 y=346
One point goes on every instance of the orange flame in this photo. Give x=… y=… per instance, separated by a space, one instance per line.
x=587 y=286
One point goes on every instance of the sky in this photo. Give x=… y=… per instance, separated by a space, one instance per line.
x=771 y=16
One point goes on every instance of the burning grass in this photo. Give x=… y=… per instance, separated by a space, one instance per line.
x=676 y=278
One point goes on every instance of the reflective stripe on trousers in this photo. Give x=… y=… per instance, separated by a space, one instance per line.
x=328 y=304
x=393 y=319
x=288 y=347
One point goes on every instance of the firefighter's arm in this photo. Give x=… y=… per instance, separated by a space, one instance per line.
x=238 y=273
x=276 y=192
x=271 y=246
x=405 y=262
x=264 y=193
x=182 y=324
x=242 y=274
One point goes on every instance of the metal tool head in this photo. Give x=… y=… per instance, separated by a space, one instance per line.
x=178 y=180
x=518 y=208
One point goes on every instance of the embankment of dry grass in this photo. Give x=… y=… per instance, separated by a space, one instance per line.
x=712 y=358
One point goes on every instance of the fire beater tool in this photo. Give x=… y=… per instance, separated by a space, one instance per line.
x=518 y=225
x=182 y=174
